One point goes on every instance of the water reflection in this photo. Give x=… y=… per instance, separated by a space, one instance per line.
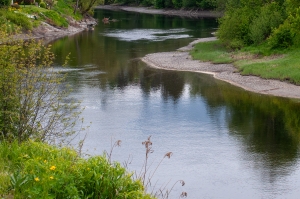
x=223 y=137
x=147 y=34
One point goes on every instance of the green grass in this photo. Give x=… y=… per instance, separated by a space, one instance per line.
x=37 y=170
x=63 y=8
x=57 y=16
x=212 y=51
x=260 y=61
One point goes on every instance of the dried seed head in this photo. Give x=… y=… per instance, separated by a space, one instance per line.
x=183 y=195
x=147 y=143
x=169 y=154
x=182 y=182
x=118 y=143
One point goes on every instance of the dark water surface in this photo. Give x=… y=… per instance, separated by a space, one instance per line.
x=226 y=142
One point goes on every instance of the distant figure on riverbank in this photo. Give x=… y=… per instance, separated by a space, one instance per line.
x=105 y=20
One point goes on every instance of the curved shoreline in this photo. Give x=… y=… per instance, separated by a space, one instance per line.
x=171 y=12
x=180 y=60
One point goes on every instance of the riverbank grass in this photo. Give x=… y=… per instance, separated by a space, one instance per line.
x=37 y=170
x=29 y=16
x=212 y=51
x=283 y=65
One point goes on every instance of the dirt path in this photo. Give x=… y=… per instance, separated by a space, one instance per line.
x=180 y=60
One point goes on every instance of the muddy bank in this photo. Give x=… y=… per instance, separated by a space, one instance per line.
x=180 y=60
x=182 y=12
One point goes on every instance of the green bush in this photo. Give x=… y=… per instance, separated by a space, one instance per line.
x=188 y=3
x=43 y=5
x=282 y=37
x=205 y=4
x=234 y=28
x=147 y=2
x=269 y=18
x=19 y=19
x=37 y=170
x=177 y=3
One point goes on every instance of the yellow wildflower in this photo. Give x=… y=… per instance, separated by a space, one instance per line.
x=45 y=161
x=36 y=179
x=51 y=177
x=52 y=168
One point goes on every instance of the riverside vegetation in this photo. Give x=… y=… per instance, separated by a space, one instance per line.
x=26 y=15
x=35 y=124
x=260 y=38
x=37 y=120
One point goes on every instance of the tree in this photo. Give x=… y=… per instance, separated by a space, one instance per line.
x=32 y=97
x=86 y=6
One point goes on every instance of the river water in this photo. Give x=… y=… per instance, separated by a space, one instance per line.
x=226 y=142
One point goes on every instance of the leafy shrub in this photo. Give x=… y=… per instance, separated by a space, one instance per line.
x=177 y=3
x=269 y=18
x=19 y=19
x=234 y=28
x=43 y=5
x=147 y=2
x=282 y=37
x=38 y=170
x=188 y=3
x=205 y=4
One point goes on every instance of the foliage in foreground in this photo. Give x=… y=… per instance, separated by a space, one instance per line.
x=37 y=170
x=32 y=93
x=256 y=60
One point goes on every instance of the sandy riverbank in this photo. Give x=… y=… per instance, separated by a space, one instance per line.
x=180 y=60
x=172 y=12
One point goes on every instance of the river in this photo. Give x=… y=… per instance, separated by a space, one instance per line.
x=226 y=142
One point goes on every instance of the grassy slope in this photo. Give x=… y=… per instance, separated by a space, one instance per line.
x=56 y=16
x=282 y=65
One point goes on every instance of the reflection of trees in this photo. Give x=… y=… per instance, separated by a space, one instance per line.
x=170 y=83
x=269 y=127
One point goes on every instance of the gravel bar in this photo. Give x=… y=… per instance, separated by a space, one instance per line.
x=180 y=60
